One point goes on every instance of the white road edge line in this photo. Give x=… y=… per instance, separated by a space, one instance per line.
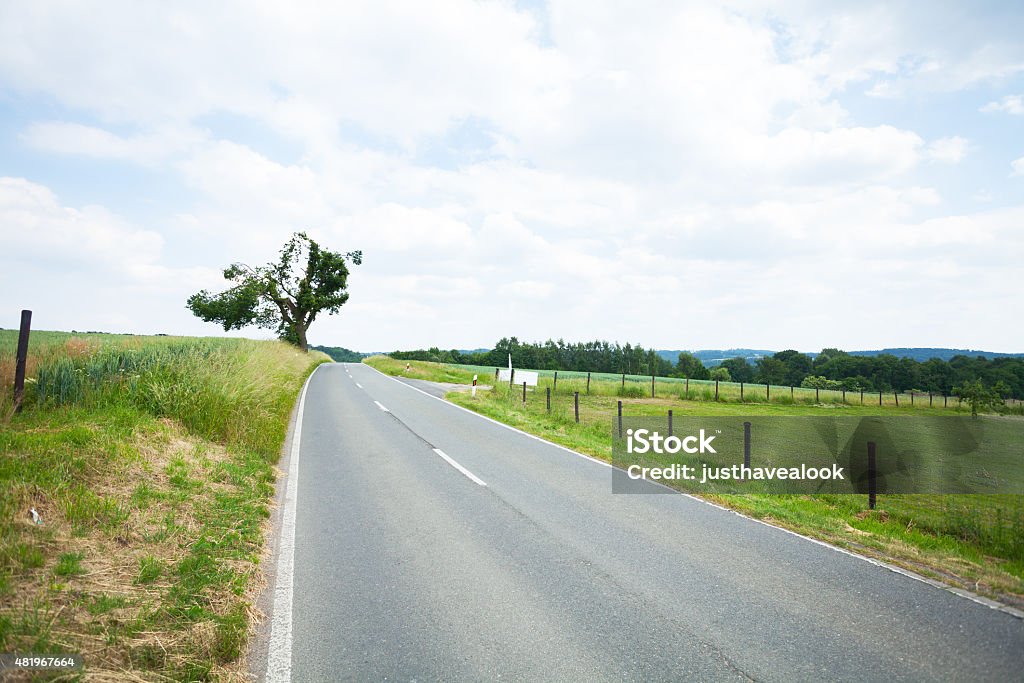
x=279 y=651
x=459 y=467
x=973 y=597
x=359 y=385
x=382 y=407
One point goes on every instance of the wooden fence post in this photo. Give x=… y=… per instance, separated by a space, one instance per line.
x=549 y=398
x=620 y=419
x=524 y=392
x=556 y=381
x=588 y=382
x=21 y=359
x=652 y=386
x=872 y=476
x=716 y=389
x=746 y=445
x=576 y=402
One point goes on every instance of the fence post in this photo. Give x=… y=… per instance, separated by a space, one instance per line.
x=687 y=388
x=620 y=419
x=524 y=392
x=652 y=386
x=872 y=476
x=741 y=392
x=495 y=376
x=556 y=380
x=549 y=398
x=879 y=398
x=791 y=398
x=670 y=422
x=945 y=401
x=623 y=380
x=511 y=378
x=862 y=395
x=911 y=398
x=768 y=393
x=817 y=393
x=897 y=397
x=746 y=445
x=576 y=401
x=929 y=399
x=588 y=382
x=716 y=389
x=21 y=359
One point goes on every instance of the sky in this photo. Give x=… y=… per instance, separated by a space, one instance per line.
x=675 y=174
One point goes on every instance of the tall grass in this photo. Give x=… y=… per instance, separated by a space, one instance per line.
x=232 y=391
x=151 y=461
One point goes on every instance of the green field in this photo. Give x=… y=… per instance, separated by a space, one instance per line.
x=973 y=541
x=150 y=461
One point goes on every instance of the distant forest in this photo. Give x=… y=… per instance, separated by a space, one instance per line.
x=339 y=353
x=830 y=369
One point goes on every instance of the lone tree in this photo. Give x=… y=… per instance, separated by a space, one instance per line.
x=288 y=295
x=979 y=397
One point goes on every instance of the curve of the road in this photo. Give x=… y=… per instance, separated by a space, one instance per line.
x=432 y=544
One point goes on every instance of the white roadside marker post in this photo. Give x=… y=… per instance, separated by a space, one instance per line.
x=474 y=386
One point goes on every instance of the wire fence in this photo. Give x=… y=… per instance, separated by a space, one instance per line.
x=650 y=386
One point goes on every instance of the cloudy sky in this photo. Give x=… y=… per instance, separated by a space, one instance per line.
x=682 y=175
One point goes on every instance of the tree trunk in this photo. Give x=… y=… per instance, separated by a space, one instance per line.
x=300 y=332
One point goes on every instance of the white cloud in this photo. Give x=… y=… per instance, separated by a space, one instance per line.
x=1009 y=104
x=1018 y=166
x=37 y=228
x=148 y=149
x=658 y=160
x=949 y=150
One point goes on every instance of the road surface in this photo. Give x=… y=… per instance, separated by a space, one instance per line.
x=432 y=544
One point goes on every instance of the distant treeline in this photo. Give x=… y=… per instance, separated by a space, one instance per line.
x=340 y=354
x=832 y=368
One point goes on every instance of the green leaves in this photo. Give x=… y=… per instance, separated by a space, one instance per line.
x=286 y=295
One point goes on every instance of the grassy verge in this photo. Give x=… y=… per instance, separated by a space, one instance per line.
x=415 y=369
x=150 y=464
x=976 y=542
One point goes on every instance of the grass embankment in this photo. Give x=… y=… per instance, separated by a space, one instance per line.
x=434 y=372
x=972 y=541
x=150 y=462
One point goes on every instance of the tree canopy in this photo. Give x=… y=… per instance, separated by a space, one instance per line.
x=287 y=295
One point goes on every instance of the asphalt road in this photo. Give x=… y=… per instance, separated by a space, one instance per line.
x=407 y=568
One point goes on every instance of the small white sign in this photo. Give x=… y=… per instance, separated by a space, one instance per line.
x=521 y=376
